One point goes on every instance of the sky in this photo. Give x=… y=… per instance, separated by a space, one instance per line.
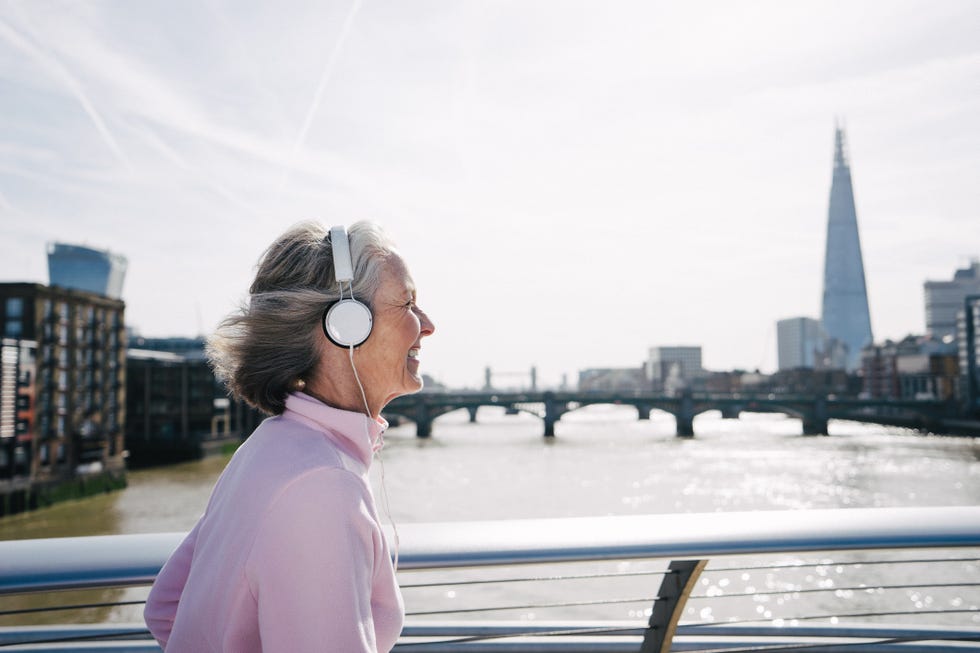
x=571 y=183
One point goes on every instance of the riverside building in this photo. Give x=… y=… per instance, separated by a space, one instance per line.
x=945 y=301
x=670 y=369
x=916 y=367
x=968 y=343
x=612 y=379
x=175 y=408
x=62 y=394
x=800 y=342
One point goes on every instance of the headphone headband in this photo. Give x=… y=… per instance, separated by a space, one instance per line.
x=343 y=269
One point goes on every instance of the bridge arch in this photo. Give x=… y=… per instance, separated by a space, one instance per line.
x=813 y=414
x=421 y=414
x=643 y=408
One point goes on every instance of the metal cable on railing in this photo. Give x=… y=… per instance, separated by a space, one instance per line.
x=142 y=634
x=853 y=615
x=776 y=648
x=854 y=588
x=77 y=606
x=535 y=606
x=537 y=633
x=844 y=563
x=946 y=573
x=536 y=579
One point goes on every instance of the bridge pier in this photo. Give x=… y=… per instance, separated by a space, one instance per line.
x=549 y=427
x=552 y=413
x=815 y=422
x=643 y=410
x=685 y=427
x=472 y=411
x=423 y=422
x=685 y=417
x=814 y=427
x=730 y=412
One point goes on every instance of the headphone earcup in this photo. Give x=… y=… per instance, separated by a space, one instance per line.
x=347 y=323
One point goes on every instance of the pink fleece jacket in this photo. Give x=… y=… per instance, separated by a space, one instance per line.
x=289 y=555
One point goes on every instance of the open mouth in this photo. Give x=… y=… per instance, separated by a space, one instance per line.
x=413 y=353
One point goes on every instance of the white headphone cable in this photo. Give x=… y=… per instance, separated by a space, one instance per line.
x=384 y=489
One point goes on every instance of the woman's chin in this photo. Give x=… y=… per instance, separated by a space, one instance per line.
x=416 y=383
x=414 y=375
x=412 y=384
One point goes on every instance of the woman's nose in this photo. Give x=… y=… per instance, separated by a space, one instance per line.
x=428 y=328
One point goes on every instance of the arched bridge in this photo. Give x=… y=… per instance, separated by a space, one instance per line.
x=814 y=411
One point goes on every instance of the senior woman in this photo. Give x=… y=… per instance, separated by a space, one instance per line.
x=289 y=554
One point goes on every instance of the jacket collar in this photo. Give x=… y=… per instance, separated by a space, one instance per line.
x=356 y=433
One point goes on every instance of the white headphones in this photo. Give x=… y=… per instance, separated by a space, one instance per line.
x=346 y=322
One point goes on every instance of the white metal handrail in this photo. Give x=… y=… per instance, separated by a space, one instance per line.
x=120 y=560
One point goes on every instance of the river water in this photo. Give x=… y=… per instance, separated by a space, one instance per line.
x=603 y=462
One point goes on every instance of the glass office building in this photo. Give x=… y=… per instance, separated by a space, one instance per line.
x=83 y=268
x=845 y=316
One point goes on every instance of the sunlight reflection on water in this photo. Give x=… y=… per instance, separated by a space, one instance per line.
x=606 y=462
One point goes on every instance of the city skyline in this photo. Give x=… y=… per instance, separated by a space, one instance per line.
x=570 y=186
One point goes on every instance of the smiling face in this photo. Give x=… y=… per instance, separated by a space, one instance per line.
x=388 y=362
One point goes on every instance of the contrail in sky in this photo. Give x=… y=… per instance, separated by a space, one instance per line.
x=5 y=205
x=200 y=175
x=51 y=62
x=317 y=97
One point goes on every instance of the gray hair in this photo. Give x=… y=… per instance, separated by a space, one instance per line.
x=273 y=338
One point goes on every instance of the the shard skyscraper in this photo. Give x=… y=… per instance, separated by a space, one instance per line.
x=845 y=317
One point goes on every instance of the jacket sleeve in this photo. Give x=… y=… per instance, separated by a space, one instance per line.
x=311 y=569
x=161 y=604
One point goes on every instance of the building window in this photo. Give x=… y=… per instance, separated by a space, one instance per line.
x=15 y=307
x=14 y=324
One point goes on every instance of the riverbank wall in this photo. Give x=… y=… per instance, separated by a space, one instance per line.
x=160 y=451
x=21 y=495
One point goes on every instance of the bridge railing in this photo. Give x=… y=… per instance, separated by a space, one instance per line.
x=868 y=578
x=815 y=411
